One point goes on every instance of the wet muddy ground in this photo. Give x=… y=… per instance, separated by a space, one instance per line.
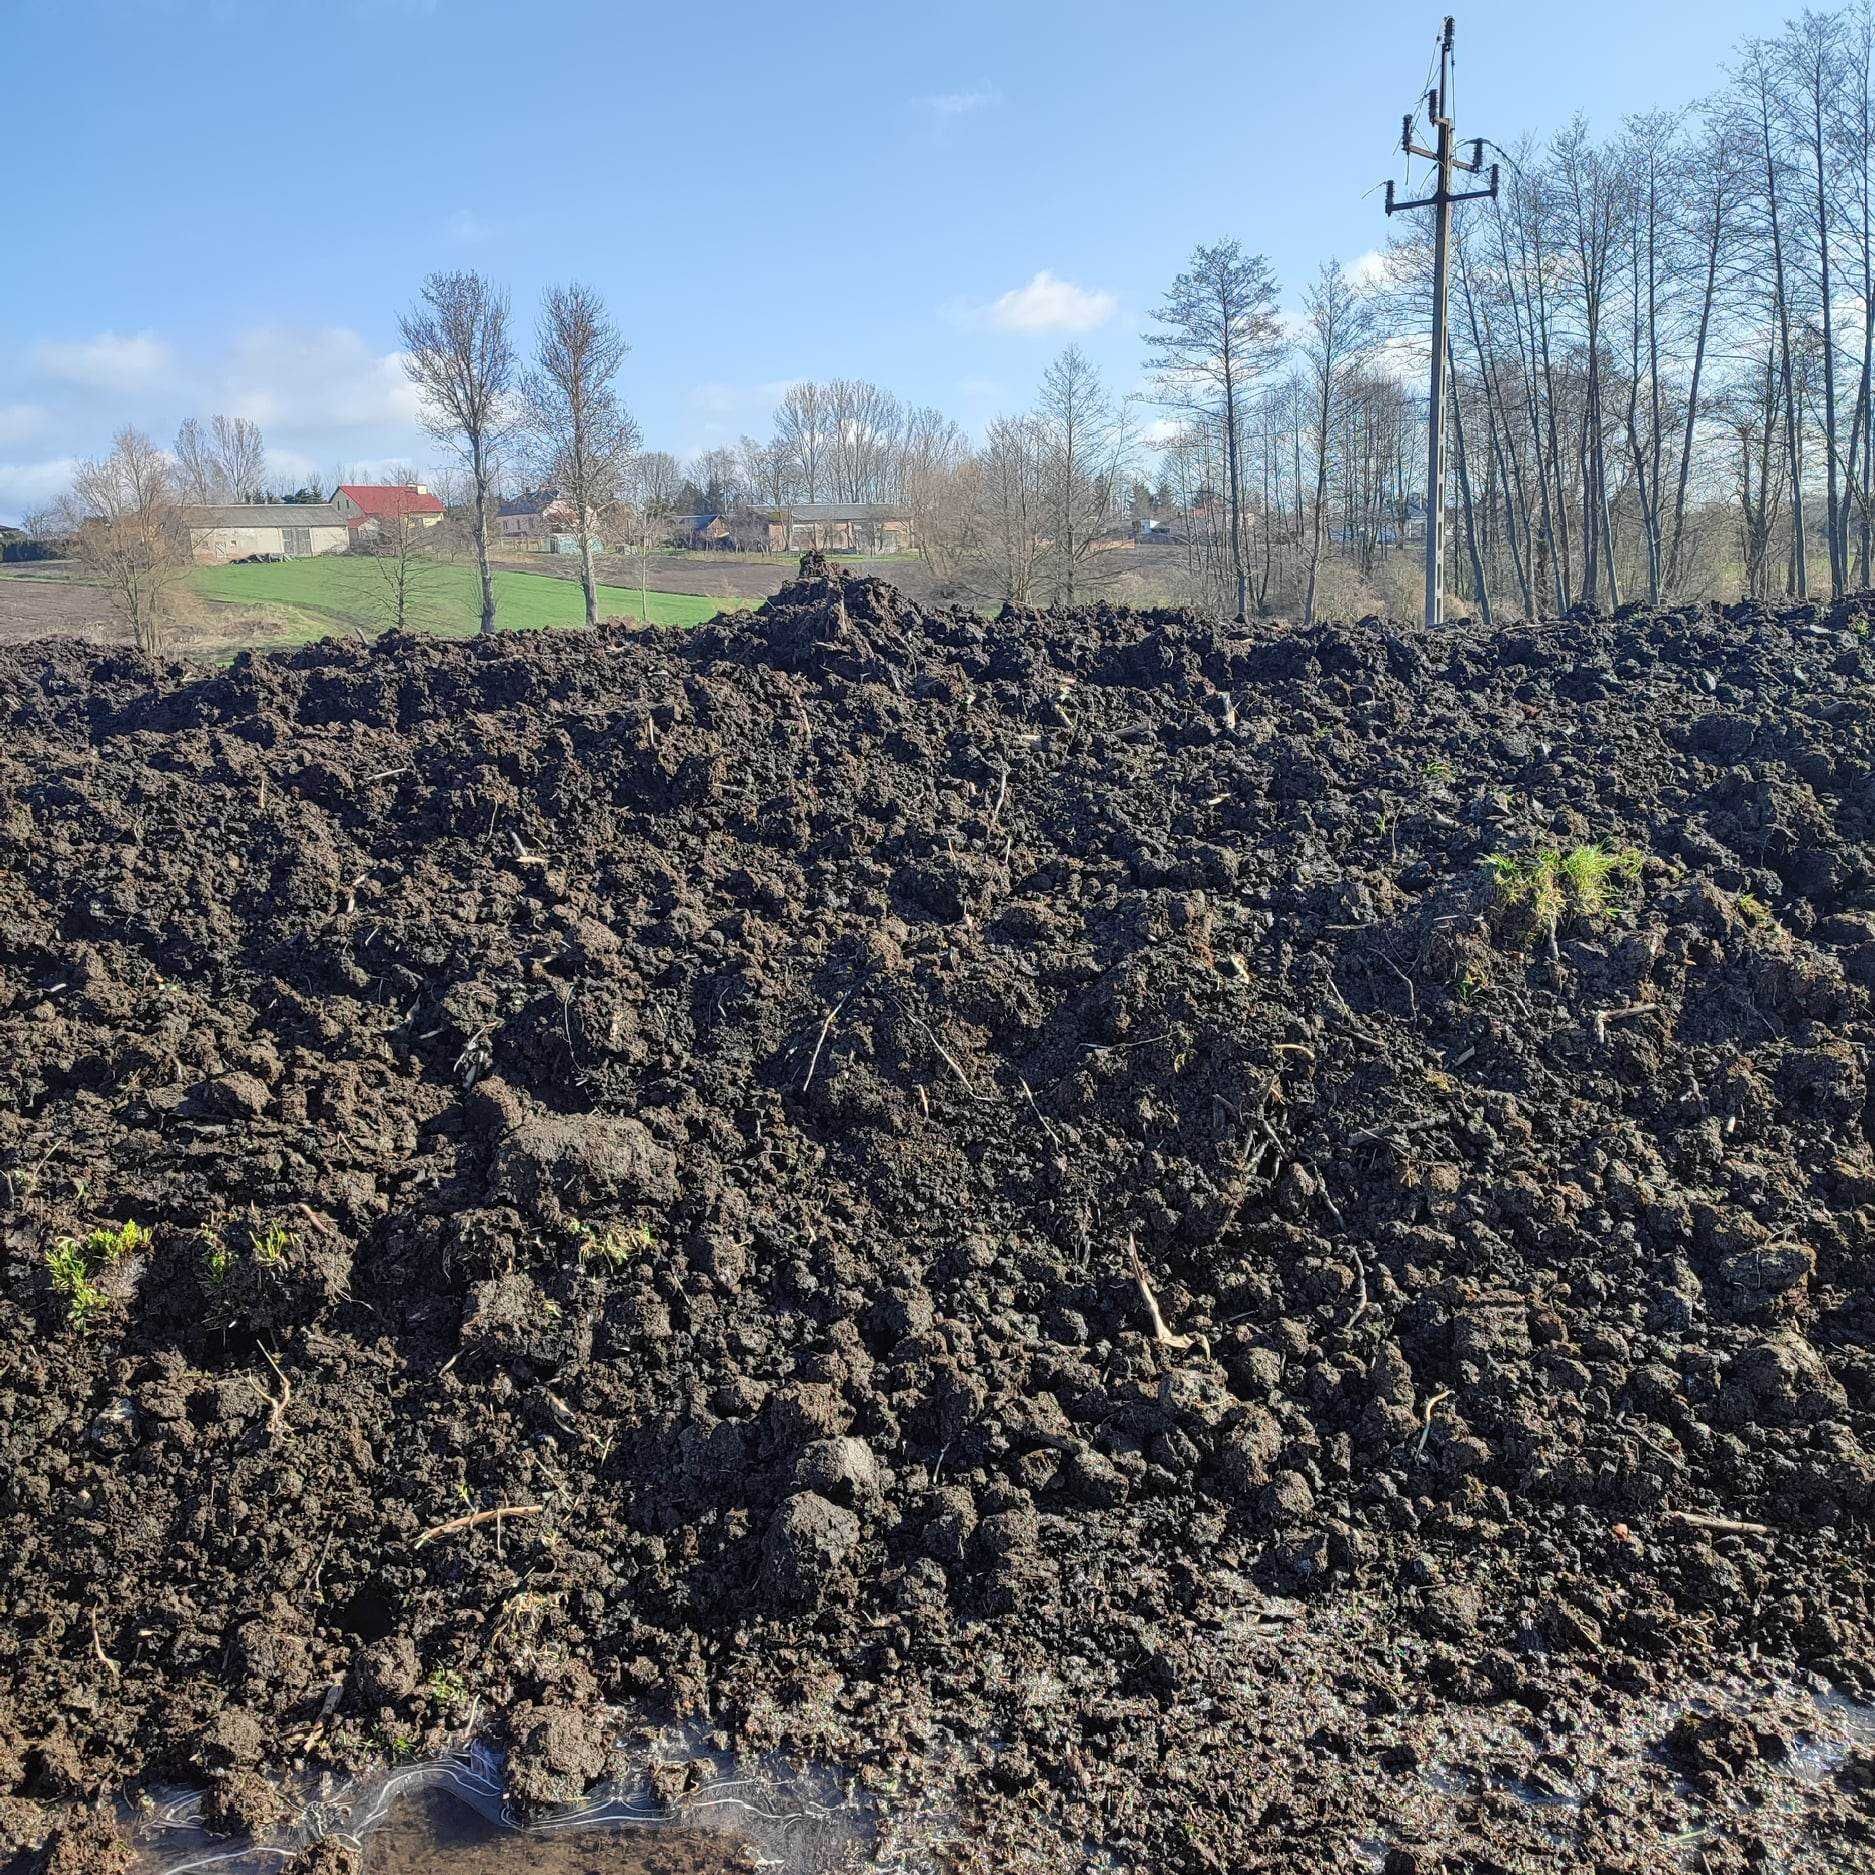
x=1156 y=1246
x=434 y=1834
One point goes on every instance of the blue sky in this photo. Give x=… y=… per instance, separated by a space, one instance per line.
x=223 y=204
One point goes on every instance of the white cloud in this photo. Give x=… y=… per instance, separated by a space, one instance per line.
x=1367 y=270
x=300 y=378
x=321 y=394
x=106 y=363
x=948 y=106
x=1405 y=356
x=716 y=399
x=25 y=486
x=1045 y=304
x=726 y=411
x=20 y=423
x=467 y=227
x=1160 y=432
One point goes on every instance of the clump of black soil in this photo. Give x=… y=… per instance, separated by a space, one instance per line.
x=1006 y=1206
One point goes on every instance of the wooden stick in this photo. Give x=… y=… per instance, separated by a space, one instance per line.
x=949 y=1062
x=478 y=1516
x=1160 y=1333
x=822 y=1041
x=1732 y=1526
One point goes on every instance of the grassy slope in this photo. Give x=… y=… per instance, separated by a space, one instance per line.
x=304 y=599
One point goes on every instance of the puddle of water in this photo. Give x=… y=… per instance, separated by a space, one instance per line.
x=433 y=1831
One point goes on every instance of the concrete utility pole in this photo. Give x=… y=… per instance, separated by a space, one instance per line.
x=1439 y=111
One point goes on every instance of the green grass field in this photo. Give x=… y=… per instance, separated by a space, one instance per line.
x=305 y=599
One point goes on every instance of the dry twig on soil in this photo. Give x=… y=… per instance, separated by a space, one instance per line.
x=1425 y=1424
x=276 y=1404
x=949 y=1060
x=821 y=1041
x=475 y=1517
x=1725 y=1526
x=97 y=1647
x=1160 y=1333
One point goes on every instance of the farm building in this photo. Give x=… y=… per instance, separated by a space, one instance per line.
x=366 y=506
x=842 y=527
x=704 y=532
x=290 y=530
x=530 y=521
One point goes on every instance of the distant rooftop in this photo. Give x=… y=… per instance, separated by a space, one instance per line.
x=385 y=501
x=264 y=514
x=842 y=511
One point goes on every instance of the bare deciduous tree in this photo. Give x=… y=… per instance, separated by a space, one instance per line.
x=1219 y=337
x=802 y=426
x=458 y=354
x=401 y=552
x=1337 y=331
x=1085 y=458
x=656 y=475
x=241 y=456
x=225 y=462
x=1013 y=506
x=120 y=517
x=584 y=437
x=197 y=471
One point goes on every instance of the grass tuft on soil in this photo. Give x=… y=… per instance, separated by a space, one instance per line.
x=88 y=1273
x=1541 y=887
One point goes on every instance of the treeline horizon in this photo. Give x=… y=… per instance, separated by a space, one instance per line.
x=1663 y=343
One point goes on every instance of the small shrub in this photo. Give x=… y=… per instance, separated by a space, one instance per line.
x=102 y=1267
x=1541 y=887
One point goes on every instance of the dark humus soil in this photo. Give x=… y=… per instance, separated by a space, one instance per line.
x=709 y=1091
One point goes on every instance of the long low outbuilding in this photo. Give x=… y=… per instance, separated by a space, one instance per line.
x=290 y=529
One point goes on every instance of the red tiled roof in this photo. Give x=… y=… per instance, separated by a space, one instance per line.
x=385 y=502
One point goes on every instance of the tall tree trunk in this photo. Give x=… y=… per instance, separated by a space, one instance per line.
x=1838 y=570
x=1464 y=490
x=1233 y=475
x=478 y=464
x=1706 y=301
x=1800 y=581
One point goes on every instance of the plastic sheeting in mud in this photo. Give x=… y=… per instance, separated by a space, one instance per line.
x=689 y=1811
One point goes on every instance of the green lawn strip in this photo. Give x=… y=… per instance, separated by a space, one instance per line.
x=305 y=597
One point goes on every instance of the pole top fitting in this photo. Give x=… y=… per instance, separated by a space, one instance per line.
x=1448 y=32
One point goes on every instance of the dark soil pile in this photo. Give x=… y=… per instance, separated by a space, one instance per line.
x=1005 y=1205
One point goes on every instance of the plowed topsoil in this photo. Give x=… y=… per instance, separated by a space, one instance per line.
x=1016 y=1208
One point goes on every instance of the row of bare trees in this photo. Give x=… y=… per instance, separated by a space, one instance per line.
x=559 y=411
x=1662 y=350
